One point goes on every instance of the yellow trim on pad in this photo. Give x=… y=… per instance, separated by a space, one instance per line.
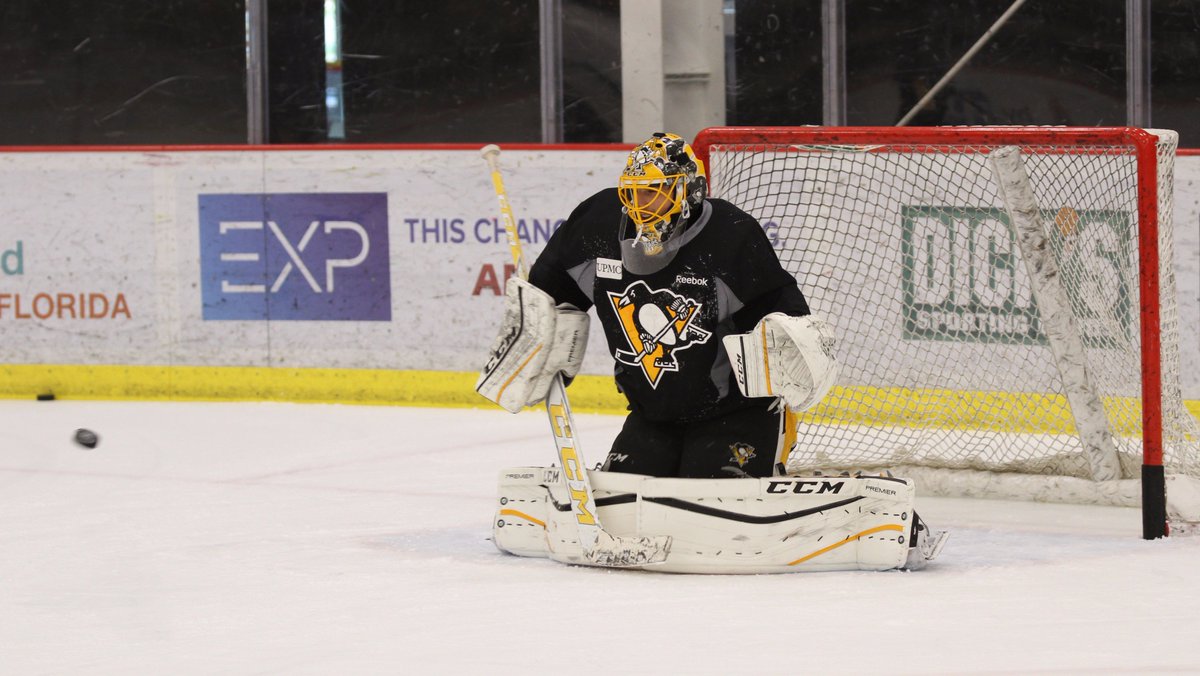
x=852 y=538
x=522 y=515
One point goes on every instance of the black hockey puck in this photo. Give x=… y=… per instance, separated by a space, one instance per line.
x=48 y=396
x=86 y=438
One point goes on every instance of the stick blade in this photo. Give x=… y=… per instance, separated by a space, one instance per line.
x=628 y=552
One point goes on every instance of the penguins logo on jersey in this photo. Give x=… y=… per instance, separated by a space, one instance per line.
x=657 y=324
x=741 y=453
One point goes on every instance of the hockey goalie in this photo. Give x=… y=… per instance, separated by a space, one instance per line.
x=716 y=350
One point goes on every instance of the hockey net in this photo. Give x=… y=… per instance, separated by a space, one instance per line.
x=986 y=285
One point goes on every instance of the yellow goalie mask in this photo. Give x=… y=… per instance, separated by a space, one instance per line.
x=661 y=184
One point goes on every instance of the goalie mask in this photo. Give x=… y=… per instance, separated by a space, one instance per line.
x=661 y=184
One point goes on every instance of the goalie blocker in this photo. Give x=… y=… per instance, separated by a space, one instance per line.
x=537 y=340
x=771 y=525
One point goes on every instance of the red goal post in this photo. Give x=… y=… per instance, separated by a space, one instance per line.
x=822 y=187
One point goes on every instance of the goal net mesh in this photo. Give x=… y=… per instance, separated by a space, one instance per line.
x=907 y=249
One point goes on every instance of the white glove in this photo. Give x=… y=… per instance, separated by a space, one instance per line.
x=536 y=341
x=787 y=357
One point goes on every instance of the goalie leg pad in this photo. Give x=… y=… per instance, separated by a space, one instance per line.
x=780 y=524
x=536 y=342
x=534 y=518
x=771 y=525
x=616 y=496
x=519 y=526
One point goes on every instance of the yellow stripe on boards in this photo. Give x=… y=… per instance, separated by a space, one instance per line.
x=1014 y=412
x=593 y=394
x=954 y=409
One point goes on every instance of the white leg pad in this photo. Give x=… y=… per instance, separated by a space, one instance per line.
x=520 y=523
x=781 y=524
x=616 y=497
x=534 y=516
x=773 y=525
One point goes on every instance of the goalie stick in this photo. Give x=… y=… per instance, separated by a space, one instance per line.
x=599 y=546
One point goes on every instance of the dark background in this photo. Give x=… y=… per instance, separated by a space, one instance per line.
x=174 y=72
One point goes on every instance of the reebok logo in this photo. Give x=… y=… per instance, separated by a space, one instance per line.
x=689 y=279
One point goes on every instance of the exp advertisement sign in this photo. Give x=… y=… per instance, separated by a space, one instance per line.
x=295 y=256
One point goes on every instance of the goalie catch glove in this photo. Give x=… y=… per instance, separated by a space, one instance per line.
x=786 y=357
x=537 y=340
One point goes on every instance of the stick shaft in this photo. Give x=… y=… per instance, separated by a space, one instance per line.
x=492 y=155
x=562 y=423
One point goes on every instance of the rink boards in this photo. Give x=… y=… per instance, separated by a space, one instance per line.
x=318 y=274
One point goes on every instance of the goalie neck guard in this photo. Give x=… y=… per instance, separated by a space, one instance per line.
x=662 y=182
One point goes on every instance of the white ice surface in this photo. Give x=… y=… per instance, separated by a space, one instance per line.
x=312 y=539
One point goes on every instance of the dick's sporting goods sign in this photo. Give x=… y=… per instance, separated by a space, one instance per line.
x=963 y=278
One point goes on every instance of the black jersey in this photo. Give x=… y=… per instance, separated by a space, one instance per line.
x=664 y=316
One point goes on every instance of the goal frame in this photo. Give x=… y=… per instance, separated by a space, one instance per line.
x=1144 y=146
